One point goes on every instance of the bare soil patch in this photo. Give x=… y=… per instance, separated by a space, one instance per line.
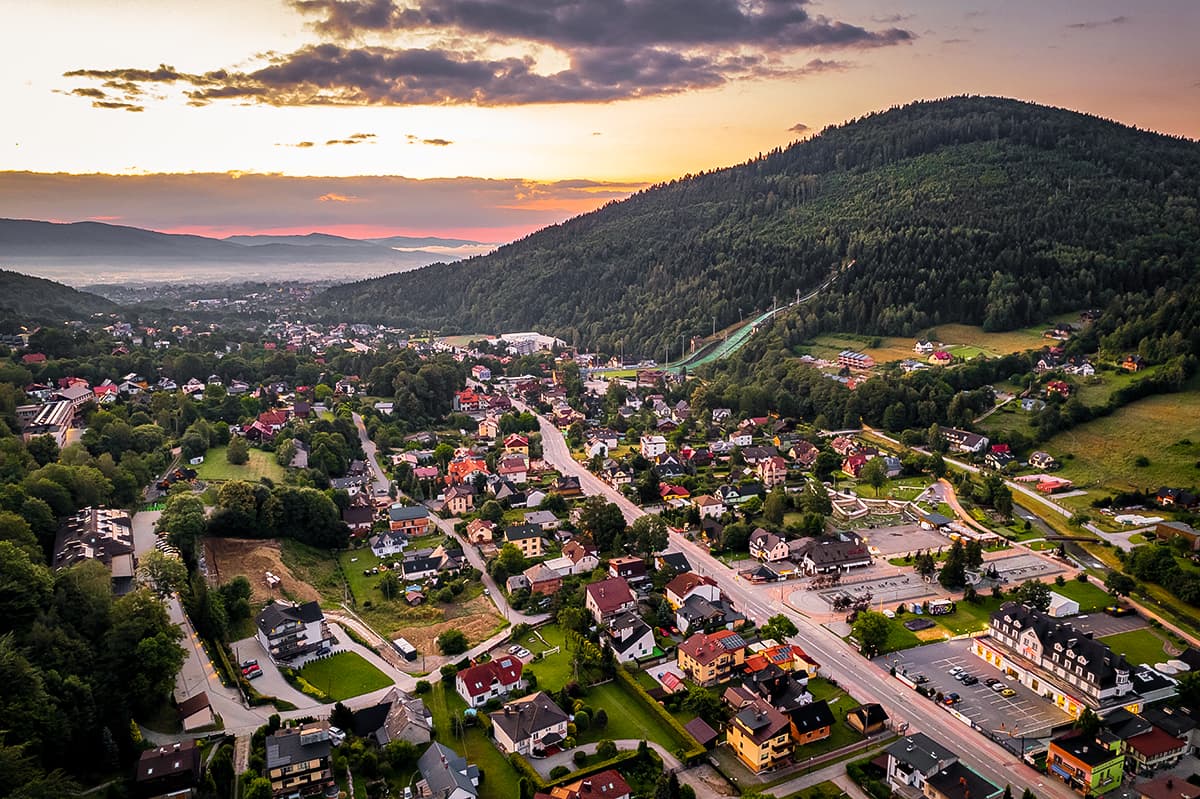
x=252 y=558
x=477 y=619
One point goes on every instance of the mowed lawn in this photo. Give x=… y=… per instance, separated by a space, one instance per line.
x=261 y=464
x=500 y=779
x=1139 y=646
x=1089 y=597
x=344 y=675
x=1160 y=428
x=841 y=734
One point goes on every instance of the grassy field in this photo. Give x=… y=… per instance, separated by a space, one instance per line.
x=993 y=344
x=1139 y=646
x=1103 y=451
x=842 y=734
x=627 y=717
x=344 y=675
x=553 y=671
x=500 y=779
x=890 y=348
x=1089 y=597
x=261 y=464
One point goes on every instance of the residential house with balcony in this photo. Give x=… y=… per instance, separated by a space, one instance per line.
x=710 y=658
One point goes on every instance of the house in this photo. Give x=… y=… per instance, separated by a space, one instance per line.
x=811 y=722
x=291 y=632
x=675 y=561
x=543 y=519
x=964 y=440
x=492 y=679
x=608 y=784
x=923 y=347
x=527 y=538
x=914 y=759
x=653 y=446
x=772 y=471
x=628 y=568
x=584 y=557
x=1055 y=659
x=690 y=584
x=868 y=719
x=398 y=717
x=489 y=427
x=710 y=658
x=420 y=564
x=629 y=637
x=849 y=359
x=411 y=520
x=543 y=579
x=941 y=358
x=101 y=534
x=481 y=373
x=387 y=543
x=514 y=468
x=1133 y=363
x=567 y=486
x=464 y=469
x=854 y=463
x=1168 y=787
x=516 y=444
x=480 y=531
x=1042 y=460
x=460 y=499
x=466 y=401
x=529 y=725
x=709 y=506
x=196 y=712
x=1176 y=498
x=445 y=774
x=1059 y=387
x=1168 y=530
x=1090 y=765
x=998 y=460
x=171 y=770
x=1153 y=749
x=608 y=598
x=298 y=762
x=698 y=614
x=760 y=736
x=823 y=556
x=956 y=781
x=359 y=518
x=741 y=437
x=766 y=546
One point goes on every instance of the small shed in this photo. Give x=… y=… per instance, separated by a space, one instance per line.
x=196 y=712
x=868 y=719
x=699 y=729
x=1062 y=606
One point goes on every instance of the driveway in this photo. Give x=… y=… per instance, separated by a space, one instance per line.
x=271 y=683
x=544 y=765
x=143 y=530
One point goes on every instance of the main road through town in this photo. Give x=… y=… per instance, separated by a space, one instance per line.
x=865 y=681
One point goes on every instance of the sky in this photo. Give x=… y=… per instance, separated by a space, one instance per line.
x=487 y=119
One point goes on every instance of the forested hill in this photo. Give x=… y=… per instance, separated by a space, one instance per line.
x=966 y=209
x=32 y=299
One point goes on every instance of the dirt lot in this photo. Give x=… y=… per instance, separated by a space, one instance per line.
x=229 y=557
x=477 y=619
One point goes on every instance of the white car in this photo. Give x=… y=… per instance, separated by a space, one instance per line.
x=514 y=649
x=523 y=653
x=998 y=686
x=336 y=736
x=955 y=671
x=891 y=614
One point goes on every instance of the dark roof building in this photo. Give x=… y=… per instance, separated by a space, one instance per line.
x=103 y=534
x=298 y=762
x=447 y=775
x=956 y=781
x=168 y=769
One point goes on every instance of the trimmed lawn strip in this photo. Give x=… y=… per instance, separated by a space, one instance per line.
x=841 y=734
x=1138 y=646
x=1089 y=597
x=344 y=675
x=626 y=718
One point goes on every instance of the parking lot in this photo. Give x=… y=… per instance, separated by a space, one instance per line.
x=888 y=590
x=1019 y=568
x=901 y=539
x=1101 y=624
x=1025 y=713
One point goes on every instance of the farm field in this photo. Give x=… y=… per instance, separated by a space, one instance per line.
x=344 y=675
x=1102 y=453
x=995 y=344
x=261 y=464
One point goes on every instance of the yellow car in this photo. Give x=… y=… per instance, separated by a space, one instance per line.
x=1008 y=692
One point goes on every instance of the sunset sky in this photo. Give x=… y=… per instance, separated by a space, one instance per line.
x=489 y=118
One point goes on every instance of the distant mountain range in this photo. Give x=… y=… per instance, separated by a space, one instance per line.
x=24 y=298
x=95 y=243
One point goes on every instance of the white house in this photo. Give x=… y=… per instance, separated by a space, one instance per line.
x=741 y=438
x=492 y=679
x=709 y=506
x=543 y=519
x=767 y=546
x=653 y=446
x=291 y=632
x=630 y=637
x=388 y=543
x=583 y=557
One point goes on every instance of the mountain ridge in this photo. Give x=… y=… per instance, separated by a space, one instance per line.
x=946 y=207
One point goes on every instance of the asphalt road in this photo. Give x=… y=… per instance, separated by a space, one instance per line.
x=865 y=681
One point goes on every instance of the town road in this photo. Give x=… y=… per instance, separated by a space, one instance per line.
x=864 y=680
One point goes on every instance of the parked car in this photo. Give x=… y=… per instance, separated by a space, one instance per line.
x=891 y=614
x=962 y=675
x=514 y=649
x=523 y=653
x=1118 y=610
x=970 y=679
x=336 y=736
x=999 y=686
x=952 y=699
x=1008 y=692
x=956 y=670
x=252 y=673
x=990 y=681
x=248 y=663
x=920 y=678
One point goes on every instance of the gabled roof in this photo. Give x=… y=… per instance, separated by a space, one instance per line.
x=478 y=679
x=518 y=532
x=760 y=722
x=705 y=648
x=406 y=513
x=813 y=716
x=445 y=771
x=685 y=582
x=611 y=594
x=524 y=717
x=1100 y=664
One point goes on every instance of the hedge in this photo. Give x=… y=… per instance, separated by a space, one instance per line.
x=691 y=748
x=540 y=783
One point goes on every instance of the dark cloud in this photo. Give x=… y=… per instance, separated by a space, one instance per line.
x=955 y=41
x=119 y=106
x=90 y=92
x=354 y=138
x=604 y=23
x=1098 y=23
x=799 y=127
x=616 y=50
x=300 y=144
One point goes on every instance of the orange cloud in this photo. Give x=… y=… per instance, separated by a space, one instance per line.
x=333 y=197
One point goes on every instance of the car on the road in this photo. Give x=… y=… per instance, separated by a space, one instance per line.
x=524 y=653
x=952 y=699
x=998 y=686
x=956 y=670
x=1008 y=692
x=970 y=679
